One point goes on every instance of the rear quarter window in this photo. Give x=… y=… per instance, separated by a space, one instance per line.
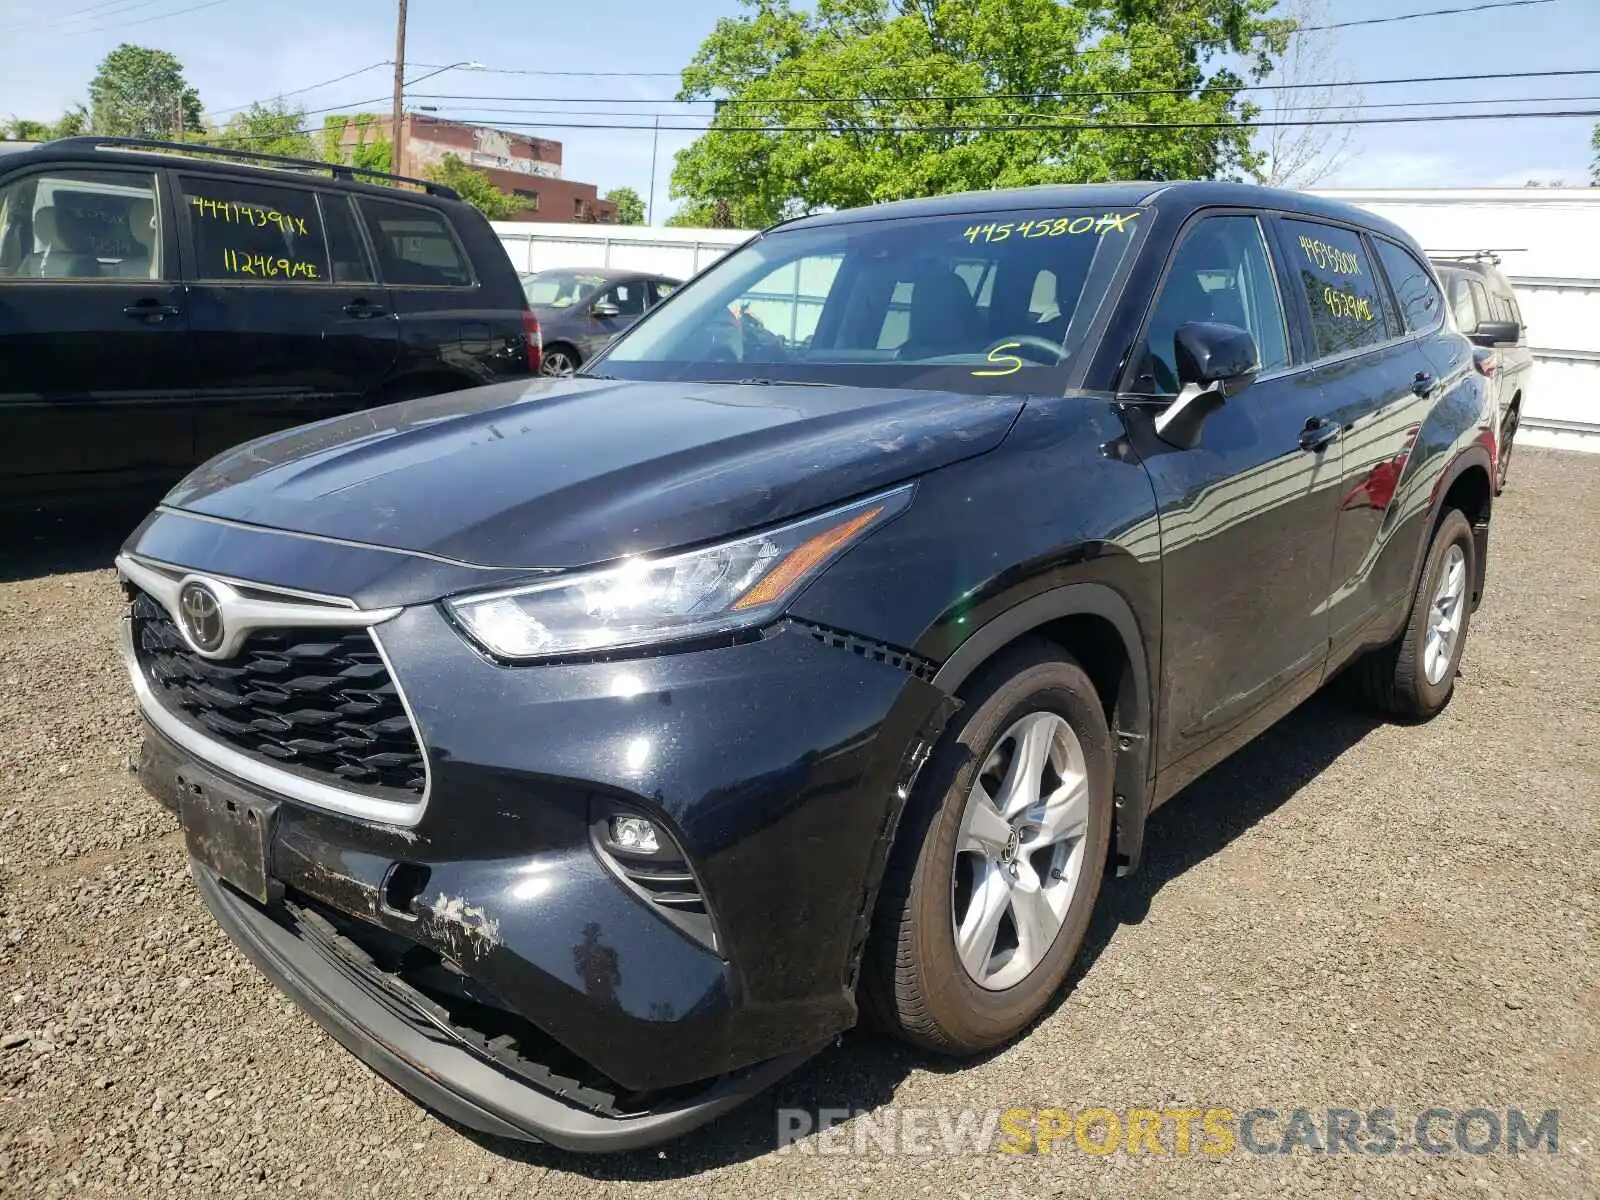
x=415 y=246
x=1421 y=305
x=1342 y=292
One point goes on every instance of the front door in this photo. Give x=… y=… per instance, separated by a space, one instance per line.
x=95 y=377
x=1247 y=515
x=288 y=325
x=629 y=299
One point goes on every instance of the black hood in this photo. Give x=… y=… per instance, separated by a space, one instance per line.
x=564 y=473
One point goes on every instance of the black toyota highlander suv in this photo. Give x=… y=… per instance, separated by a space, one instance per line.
x=160 y=302
x=584 y=754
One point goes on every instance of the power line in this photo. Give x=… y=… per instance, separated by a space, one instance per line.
x=1335 y=107
x=82 y=16
x=1255 y=87
x=1417 y=16
x=891 y=66
x=1034 y=127
x=310 y=87
x=120 y=25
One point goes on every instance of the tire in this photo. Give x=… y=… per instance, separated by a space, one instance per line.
x=559 y=360
x=1508 y=434
x=1405 y=679
x=915 y=984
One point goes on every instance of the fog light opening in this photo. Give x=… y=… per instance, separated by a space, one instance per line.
x=636 y=834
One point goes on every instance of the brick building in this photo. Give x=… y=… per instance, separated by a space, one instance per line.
x=524 y=166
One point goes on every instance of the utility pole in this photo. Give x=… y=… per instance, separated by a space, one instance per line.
x=650 y=208
x=396 y=135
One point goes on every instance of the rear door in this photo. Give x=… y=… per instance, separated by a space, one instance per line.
x=1378 y=385
x=444 y=317
x=95 y=376
x=1247 y=515
x=288 y=324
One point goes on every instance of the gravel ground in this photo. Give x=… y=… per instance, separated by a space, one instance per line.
x=1345 y=913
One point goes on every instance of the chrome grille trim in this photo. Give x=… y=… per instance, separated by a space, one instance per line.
x=163 y=583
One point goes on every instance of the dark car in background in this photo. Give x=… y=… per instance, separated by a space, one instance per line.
x=1483 y=305
x=581 y=311
x=159 y=303
x=585 y=753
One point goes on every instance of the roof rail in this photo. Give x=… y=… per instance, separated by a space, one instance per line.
x=200 y=150
x=1489 y=256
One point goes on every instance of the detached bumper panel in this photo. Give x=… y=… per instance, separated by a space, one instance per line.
x=405 y=1044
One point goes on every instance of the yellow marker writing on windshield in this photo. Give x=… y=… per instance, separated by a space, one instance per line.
x=1010 y=364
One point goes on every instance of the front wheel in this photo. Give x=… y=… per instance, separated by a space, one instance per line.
x=998 y=862
x=558 y=360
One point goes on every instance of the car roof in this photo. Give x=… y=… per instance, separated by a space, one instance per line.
x=1185 y=196
x=274 y=168
x=608 y=274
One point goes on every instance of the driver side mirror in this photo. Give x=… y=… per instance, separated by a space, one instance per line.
x=605 y=309
x=1215 y=363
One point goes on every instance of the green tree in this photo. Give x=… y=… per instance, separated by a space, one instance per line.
x=139 y=92
x=849 y=72
x=21 y=129
x=474 y=187
x=1594 y=167
x=275 y=128
x=630 y=205
x=370 y=151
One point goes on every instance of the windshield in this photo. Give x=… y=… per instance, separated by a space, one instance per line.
x=966 y=303
x=558 y=289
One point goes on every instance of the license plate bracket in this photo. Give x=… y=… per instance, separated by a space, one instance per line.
x=229 y=831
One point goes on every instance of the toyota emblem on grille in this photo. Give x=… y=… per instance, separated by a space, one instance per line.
x=201 y=615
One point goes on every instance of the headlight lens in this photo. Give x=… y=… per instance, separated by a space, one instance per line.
x=647 y=601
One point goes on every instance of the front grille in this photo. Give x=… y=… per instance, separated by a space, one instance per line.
x=318 y=702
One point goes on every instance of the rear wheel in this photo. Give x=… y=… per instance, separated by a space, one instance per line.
x=1413 y=677
x=998 y=862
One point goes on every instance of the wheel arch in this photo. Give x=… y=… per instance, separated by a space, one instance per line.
x=1096 y=625
x=1467 y=484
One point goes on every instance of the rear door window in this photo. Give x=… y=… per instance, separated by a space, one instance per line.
x=415 y=245
x=263 y=233
x=76 y=224
x=1421 y=305
x=347 y=256
x=1342 y=293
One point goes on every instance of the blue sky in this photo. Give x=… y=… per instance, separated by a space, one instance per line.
x=238 y=52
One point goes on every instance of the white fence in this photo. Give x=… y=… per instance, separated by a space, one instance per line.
x=678 y=253
x=1548 y=240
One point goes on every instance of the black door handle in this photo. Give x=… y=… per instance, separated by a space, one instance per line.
x=1424 y=383
x=1319 y=434
x=364 y=309
x=152 y=310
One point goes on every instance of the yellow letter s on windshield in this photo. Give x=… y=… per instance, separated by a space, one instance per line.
x=1009 y=364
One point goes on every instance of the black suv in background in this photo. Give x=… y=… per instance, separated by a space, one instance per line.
x=584 y=753
x=159 y=304
x=1484 y=307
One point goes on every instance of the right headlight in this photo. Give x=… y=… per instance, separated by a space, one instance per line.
x=647 y=601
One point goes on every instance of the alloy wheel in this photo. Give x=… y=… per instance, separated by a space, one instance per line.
x=557 y=362
x=1019 y=851
x=1444 y=616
